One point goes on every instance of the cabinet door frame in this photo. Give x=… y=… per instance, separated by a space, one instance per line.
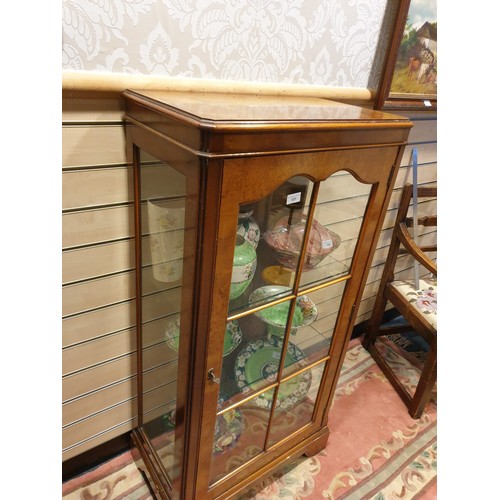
x=257 y=183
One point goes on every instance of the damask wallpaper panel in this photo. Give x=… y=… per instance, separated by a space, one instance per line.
x=309 y=42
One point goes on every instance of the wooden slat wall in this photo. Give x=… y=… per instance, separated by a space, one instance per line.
x=423 y=137
x=98 y=324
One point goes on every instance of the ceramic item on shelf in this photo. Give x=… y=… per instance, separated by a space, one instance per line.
x=276 y=316
x=166 y=238
x=232 y=335
x=278 y=275
x=286 y=241
x=248 y=227
x=258 y=362
x=228 y=428
x=168 y=419
x=244 y=265
x=172 y=329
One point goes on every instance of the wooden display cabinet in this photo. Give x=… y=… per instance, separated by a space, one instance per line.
x=256 y=221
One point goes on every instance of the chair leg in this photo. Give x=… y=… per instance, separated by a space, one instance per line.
x=415 y=403
x=373 y=328
x=425 y=385
x=391 y=377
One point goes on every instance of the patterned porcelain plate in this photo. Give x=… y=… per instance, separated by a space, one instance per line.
x=259 y=360
x=228 y=428
x=232 y=337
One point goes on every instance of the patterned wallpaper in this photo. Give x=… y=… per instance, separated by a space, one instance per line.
x=313 y=42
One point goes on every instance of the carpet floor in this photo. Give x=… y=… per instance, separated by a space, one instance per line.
x=375 y=450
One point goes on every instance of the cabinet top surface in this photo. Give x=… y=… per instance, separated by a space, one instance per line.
x=211 y=109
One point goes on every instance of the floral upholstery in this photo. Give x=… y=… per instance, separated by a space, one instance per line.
x=424 y=300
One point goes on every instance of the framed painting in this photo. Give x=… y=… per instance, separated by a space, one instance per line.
x=409 y=77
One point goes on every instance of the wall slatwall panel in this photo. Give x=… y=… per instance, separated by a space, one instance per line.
x=423 y=137
x=98 y=357
x=98 y=324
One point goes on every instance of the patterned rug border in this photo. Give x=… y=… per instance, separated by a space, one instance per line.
x=400 y=460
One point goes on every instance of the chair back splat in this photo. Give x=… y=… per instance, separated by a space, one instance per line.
x=415 y=300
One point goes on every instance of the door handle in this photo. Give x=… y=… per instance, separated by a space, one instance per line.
x=212 y=377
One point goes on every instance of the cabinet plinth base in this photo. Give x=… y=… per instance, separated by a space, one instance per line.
x=309 y=447
x=318 y=445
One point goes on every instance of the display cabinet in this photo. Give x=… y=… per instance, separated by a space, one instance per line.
x=256 y=221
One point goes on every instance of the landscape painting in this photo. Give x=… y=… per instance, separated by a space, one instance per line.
x=415 y=71
x=409 y=76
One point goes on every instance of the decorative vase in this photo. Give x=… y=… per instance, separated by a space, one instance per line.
x=244 y=265
x=166 y=238
x=248 y=227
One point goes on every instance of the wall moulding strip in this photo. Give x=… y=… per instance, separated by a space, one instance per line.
x=102 y=82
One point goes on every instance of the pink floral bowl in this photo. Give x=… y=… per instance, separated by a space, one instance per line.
x=286 y=240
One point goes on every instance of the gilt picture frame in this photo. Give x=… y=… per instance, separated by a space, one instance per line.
x=409 y=76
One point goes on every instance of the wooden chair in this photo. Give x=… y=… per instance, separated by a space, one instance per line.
x=418 y=305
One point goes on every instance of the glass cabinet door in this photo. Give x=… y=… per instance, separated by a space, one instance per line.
x=292 y=255
x=167 y=248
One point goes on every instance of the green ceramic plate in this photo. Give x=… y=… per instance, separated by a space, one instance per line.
x=258 y=363
x=276 y=316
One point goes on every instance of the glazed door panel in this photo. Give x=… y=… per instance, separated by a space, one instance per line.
x=291 y=253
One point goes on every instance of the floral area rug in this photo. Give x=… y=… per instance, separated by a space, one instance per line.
x=375 y=450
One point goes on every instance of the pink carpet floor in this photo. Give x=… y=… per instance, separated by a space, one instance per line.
x=375 y=450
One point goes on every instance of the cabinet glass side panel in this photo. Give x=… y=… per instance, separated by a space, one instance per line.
x=337 y=220
x=163 y=208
